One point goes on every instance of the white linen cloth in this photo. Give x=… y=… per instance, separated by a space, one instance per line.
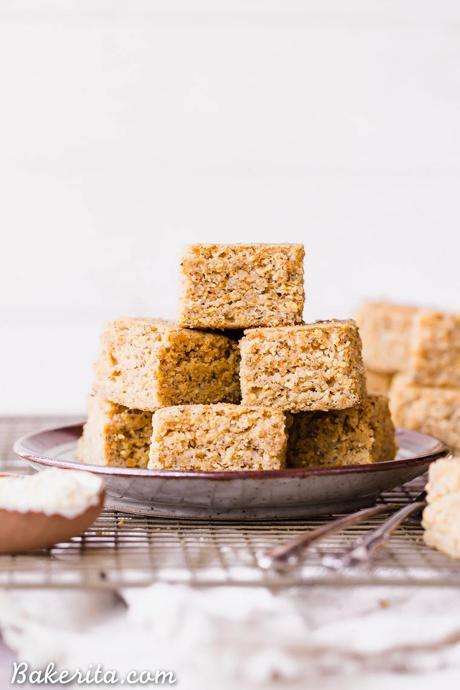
x=246 y=637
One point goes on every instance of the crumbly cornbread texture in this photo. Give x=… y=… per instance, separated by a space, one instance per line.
x=115 y=435
x=431 y=410
x=146 y=364
x=443 y=479
x=316 y=366
x=242 y=285
x=377 y=382
x=358 y=436
x=435 y=355
x=441 y=518
x=218 y=437
x=386 y=331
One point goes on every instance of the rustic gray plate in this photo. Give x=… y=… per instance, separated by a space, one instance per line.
x=239 y=495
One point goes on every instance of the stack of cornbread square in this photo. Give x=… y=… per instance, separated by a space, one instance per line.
x=413 y=354
x=427 y=396
x=202 y=395
x=386 y=331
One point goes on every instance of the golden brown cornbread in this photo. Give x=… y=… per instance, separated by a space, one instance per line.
x=218 y=437
x=441 y=518
x=148 y=363
x=228 y=286
x=431 y=410
x=386 y=331
x=435 y=353
x=377 y=382
x=316 y=366
x=115 y=435
x=358 y=436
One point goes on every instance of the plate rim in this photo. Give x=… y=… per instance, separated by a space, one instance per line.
x=25 y=450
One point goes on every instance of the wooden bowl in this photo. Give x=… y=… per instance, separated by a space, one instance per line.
x=31 y=530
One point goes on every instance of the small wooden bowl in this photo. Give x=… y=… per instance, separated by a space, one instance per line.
x=28 y=531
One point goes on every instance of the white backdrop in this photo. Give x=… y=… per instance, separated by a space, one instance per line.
x=130 y=128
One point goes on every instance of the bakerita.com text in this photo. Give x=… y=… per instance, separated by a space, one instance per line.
x=94 y=674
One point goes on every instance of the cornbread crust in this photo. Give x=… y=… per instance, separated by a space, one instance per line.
x=115 y=435
x=231 y=286
x=316 y=366
x=218 y=437
x=149 y=363
x=377 y=382
x=441 y=518
x=435 y=354
x=358 y=436
x=386 y=331
x=431 y=410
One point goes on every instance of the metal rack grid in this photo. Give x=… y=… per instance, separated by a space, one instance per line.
x=122 y=550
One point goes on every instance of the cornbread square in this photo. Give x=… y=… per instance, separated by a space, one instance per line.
x=443 y=479
x=431 y=410
x=115 y=435
x=146 y=364
x=435 y=356
x=441 y=521
x=378 y=382
x=386 y=331
x=316 y=366
x=218 y=437
x=358 y=436
x=242 y=285
x=441 y=518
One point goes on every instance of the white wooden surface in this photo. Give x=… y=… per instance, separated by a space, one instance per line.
x=128 y=129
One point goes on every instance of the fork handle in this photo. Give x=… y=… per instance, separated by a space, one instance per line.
x=363 y=548
x=279 y=556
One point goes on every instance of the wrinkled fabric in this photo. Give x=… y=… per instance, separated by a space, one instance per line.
x=246 y=637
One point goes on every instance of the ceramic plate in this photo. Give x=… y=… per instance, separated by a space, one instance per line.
x=238 y=495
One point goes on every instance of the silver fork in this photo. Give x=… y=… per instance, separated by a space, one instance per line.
x=364 y=547
x=287 y=555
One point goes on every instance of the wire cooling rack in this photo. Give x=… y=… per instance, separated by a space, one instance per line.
x=122 y=550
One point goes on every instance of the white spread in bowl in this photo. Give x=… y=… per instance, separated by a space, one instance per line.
x=52 y=492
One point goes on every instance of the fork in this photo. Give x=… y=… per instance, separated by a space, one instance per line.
x=364 y=547
x=287 y=555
